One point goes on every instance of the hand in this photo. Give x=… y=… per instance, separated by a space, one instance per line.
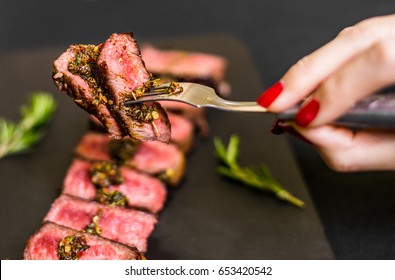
x=358 y=62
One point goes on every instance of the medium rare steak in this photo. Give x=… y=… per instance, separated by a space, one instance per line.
x=186 y=66
x=79 y=83
x=128 y=226
x=182 y=131
x=43 y=245
x=154 y=158
x=141 y=190
x=100 y=78
x=123 y=72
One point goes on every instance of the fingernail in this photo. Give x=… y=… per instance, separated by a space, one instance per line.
x=280 y=127
x=308 y=113
x=268 y=96
x=277 y=129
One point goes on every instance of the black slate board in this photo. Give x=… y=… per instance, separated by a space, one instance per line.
x=207 y=216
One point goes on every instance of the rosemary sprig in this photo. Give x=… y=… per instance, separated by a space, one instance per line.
x=253 y=177
x=19 y=136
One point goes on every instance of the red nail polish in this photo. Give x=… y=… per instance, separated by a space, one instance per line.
x=276 y=127
x=308 y=113
x=270 y=94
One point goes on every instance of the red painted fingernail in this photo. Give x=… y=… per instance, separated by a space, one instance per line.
x=308 y=113
x=270 y=94
x=277 y=128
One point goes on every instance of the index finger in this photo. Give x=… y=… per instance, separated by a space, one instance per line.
x=304 y=76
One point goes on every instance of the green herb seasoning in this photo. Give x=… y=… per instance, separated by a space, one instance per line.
x=143 y=112
x=166 y=175
x=174 y=88
x=71 y=247
x=104 y=174
x=84 y=65
x=93 y=227
x=138 y=92
x=111 y=198
x=123 y=150
x=151 y=87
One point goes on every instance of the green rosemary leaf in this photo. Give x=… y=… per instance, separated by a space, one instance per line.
x=233 y=150
x=257 y=178
x=19 y=136
x=220 y=148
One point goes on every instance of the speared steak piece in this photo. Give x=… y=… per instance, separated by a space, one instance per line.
x=44 y=245
x=124 y=75
x=100 y=78
x=74 y=73
x=127 y=226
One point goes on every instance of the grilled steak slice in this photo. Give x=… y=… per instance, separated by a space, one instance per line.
x=182 y=132
x=141 y=190
x=154 y=158
x=165 y=161
x=79 y=82
x=185 y=66
x=43 y=245
x=127 y=226
x=123 y=72
x=100 y=78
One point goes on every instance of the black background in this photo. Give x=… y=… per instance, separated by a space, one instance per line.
x=357 y=210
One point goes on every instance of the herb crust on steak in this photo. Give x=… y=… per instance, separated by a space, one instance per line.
x=101 y=78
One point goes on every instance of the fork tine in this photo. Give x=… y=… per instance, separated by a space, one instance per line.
x=199 y=96
x=161 y=93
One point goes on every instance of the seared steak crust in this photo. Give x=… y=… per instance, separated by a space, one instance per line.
x=128 y=226
x=141 y=190
x=154 y=158
x=84 y=94
x=100 y=78
x=43 y=245
x=123 y=71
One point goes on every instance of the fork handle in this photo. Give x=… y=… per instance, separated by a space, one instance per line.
x=375 y=111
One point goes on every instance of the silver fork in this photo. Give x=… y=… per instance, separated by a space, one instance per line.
x=375 y=111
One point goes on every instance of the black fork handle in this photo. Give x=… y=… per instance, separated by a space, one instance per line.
x=375 y=111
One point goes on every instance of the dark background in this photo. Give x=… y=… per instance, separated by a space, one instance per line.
x=357 y=210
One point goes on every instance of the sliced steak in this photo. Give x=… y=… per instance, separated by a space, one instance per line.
x=123 y=72
x=165 y=161
x=100 y=78
x=186 y=66
x=141 y=190
x=43 y=245
x=127 y=226
x=196 y=115
x=155 y=158
x=182 y=131
x=80 y=84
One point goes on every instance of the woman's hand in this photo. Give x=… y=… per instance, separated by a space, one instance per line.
x=358 y=62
